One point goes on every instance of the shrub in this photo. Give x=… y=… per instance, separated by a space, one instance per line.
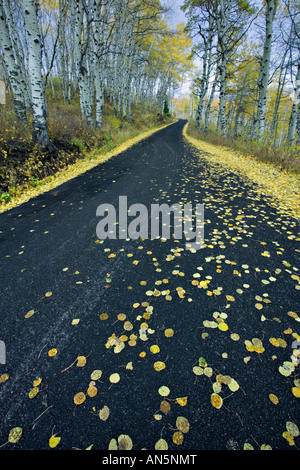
x=4 y=196
x=23 y=164
x=78 y=143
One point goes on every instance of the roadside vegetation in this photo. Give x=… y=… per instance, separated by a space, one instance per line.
x=246 y=92
x=25 y=166
x=79 y=78
x=284 y=157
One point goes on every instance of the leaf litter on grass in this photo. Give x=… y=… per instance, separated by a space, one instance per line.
x=238 y=325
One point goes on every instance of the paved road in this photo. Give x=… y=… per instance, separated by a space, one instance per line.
x=246 y=278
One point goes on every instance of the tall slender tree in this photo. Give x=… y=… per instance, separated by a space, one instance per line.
x=13 y=61
x=263 y=80
x=229 y=21
x=38 y=101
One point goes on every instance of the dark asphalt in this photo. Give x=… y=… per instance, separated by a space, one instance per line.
x=57 y=230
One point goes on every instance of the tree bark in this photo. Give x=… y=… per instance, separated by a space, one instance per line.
x=265 y=68
x=281 y=83
x=298 y=127
x=81 y=59
x=222 y=15
x=13 y=69
x=295 y=110
x=222 y=102
x=211 y=97
x=38 y=103
x=206 y=68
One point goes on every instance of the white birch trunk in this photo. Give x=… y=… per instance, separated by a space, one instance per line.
x=100 y=19
x=298 y=127
x=13 y=69
x=206 y=69
x=211 y=97
x=16 y=34
x=239 y=108
x=39 y=122
x=81 y=57
x=63 y=53
x=265 y=68
x=222 y=21
x=295 y=110
x=222 y=97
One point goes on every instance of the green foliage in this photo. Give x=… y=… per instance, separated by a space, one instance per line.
x=108 y=143
x=78 y=143
x=33 y=181
x=4 y=196
x=166 y=109
x=114 y=122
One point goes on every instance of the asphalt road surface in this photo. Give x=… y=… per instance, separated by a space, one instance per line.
x=207 y=335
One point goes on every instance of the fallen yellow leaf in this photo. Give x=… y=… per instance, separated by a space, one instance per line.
x=54 y=441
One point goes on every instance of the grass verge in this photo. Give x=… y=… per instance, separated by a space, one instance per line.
x=286 y=157
x=281 y=185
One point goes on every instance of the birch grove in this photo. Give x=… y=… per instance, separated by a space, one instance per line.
x=248 y=80
x=112 y=49
x=123 y=51
x=13 y=62
x=293 y=44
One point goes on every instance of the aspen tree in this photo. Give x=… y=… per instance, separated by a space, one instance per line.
x=38 y=102
x=294 y=117
x=13 y=66
x=293 y=8
x=271 y=7
x=229 y=21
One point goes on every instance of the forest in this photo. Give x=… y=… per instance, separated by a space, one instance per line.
x=249 y=80
x=81 y=75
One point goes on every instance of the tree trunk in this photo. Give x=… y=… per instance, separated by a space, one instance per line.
x=206 y=69
x=222 y=103
x=99 y=41
x=81 y=59
x=298 y=127
x=63 y=53
x=265 y=68
x=39 y=122
x=12 y=69
x=222 y=18
x=281 y=83
x=211 y=97
x=295 y=109
x=240 y=106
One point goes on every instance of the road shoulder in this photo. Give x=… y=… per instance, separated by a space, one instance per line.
x=282 y=187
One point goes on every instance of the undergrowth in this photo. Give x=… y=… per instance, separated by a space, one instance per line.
x=287 y=157
x=24 y=165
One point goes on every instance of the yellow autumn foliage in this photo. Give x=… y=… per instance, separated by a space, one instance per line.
x=282 y=187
